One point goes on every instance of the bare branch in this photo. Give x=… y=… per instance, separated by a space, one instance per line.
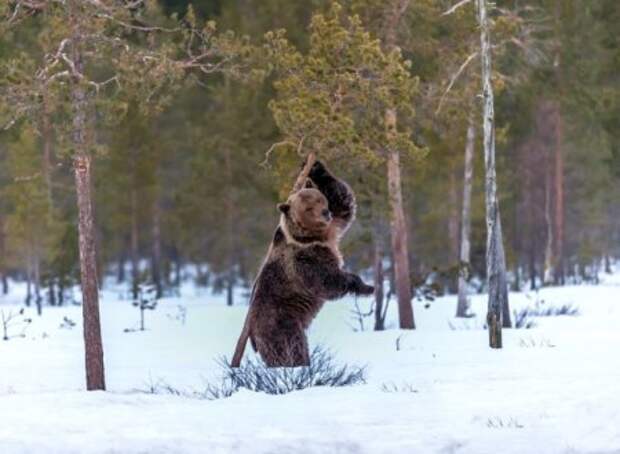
x=454 y=79
x=455 y=7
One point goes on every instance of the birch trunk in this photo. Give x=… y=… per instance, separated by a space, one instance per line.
x=496 y=262
x=95 y=379
x=462 y=308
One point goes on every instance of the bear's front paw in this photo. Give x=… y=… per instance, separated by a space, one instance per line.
x=317 y=170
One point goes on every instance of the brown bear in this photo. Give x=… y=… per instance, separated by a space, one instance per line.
x=302 y=270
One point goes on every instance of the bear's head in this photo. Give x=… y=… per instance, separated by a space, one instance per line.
x=306 y=216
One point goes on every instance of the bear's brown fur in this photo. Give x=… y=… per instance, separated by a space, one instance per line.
x=302 y=270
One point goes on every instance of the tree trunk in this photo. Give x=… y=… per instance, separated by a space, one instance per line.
x=47 y=134
x=378 y=278
x=548 y=272
x=36 y=277
x=95 y=379
x=398 y=230
x=496 y=262
x=462 y=308
x=156 y=259
x=559 y=155
x=453 y=229
x=134 y=244
x=28 y=283
x=559 y=197
x=120 y=275
x=3 y=276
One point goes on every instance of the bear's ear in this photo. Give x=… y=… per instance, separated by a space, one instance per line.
x=309 y=184
x=284 y=207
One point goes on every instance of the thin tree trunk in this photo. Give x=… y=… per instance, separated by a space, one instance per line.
x=120 y=275
x=462 y=308
x=36 y=277
x=95 y=378
x=453 y=228
x=607 y=264
x=559 y=155
x=48 y=138
x=496 y=262
x=134 y=243
x=28 y=282
x=3 y=276
x=378 y=278
x=230 y=221
x=559 y=197
x=548 y=272
x=398 y=228
x=156 y=259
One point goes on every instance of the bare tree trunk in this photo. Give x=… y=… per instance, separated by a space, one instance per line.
x=496 y=262
x=559 y=197
x=559 y=155
x=36 y=277
x=4 y=279
x=398 y=228
x=607 y=260
x=378 y=277
x=156 y=259
x=28 y=282
x=120 y=275
x=134 y=243
x=462 y=308
x=48 y=138
x=230 y=221
x=95 y=378
x=548 y=272
x=453 y=228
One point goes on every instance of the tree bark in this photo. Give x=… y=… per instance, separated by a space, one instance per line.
x=462 y=308
x=496 y=262
x=134 y=242
x=378 y=278
x=95 y=379
x=48 y=137
x=156 y=259
x=453 y=228
x=398 y=230
x=549 y=259
x=3 y=276
x=559 y=197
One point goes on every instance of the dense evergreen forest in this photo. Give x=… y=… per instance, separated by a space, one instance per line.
x=195 y=134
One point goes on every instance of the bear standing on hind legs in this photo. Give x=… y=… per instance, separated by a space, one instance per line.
x=302 y=270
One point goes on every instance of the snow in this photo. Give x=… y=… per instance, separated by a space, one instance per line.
x=551 y=389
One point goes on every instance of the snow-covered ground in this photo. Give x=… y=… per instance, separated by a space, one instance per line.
x=551 y=389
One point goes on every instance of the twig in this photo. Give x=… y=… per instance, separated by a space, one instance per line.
x=455 y=7
x=454 y=79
